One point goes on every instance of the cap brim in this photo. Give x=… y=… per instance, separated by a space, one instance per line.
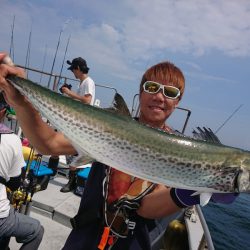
x=69 y=62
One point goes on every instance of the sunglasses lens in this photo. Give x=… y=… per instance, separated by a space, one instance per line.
x=151 y=87
x=171 y=92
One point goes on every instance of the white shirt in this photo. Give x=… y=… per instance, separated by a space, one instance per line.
x=87 y=87
x=11 y=162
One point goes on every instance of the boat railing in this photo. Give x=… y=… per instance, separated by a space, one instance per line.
x=207 y=234
x=54 y=81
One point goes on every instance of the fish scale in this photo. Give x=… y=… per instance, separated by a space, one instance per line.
x=144 y=152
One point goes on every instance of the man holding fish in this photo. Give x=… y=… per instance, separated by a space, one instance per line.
x=117 y=212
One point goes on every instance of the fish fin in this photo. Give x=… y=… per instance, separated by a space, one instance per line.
x=205 y=134
x=81 y=160
x=119 y=105
x=205 y=198
x=196 y=193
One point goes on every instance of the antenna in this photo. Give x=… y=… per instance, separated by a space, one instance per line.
x=223 y=124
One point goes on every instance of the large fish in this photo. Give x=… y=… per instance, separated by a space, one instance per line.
x=151 y=154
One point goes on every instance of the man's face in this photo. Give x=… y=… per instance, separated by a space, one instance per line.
x=156 y=108
x=77 y=73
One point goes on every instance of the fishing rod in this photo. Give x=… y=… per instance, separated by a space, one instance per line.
x=66 y=49
x=44 y=60
x=11 y=53
x=53 y=64
x=223 y=124
x=58 y=43
x=27 y=61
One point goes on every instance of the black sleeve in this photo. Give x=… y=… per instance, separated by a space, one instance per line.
x=14 y=183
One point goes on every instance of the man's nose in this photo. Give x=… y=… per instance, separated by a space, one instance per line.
x=159 y=95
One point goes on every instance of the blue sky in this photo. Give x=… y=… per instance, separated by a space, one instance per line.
x=208 y=40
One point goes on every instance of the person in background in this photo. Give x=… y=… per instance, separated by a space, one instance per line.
x=85 y=94
x=106 y=216
x=25 y=229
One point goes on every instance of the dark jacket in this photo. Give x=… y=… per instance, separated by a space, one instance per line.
x=89 y=221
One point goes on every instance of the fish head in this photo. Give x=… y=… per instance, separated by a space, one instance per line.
x=243 y=181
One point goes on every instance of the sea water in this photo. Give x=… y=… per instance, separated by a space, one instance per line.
x=229 y=225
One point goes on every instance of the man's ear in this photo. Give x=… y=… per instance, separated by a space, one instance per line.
x=176 y=103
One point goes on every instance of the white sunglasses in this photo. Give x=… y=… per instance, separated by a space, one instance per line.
x=170 y=92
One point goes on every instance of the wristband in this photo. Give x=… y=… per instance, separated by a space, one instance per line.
x=183 y=198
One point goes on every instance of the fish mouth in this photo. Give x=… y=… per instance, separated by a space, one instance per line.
x=243 y=181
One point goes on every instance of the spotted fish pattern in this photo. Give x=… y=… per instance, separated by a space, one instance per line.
x=147 y=153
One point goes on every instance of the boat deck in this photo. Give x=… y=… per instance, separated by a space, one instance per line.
x=53 y=209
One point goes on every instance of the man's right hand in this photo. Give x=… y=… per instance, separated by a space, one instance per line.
x=11 y=95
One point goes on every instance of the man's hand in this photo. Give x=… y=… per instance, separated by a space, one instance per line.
x=11 y=95
x=66 y=90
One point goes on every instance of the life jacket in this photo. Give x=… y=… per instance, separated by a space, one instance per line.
x=90 y=219
x=120 y=223
x=4 y=130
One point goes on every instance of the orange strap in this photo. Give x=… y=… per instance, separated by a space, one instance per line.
x=104 y=239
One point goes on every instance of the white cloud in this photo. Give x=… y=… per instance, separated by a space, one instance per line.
x=119 y=39
x=193 y=26
x=134 y=30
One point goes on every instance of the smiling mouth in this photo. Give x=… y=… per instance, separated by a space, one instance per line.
x=156 y=108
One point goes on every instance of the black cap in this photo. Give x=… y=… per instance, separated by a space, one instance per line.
x=78 y=62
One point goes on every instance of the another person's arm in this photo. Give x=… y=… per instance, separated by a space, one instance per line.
x=84 y=99
x=40 y=134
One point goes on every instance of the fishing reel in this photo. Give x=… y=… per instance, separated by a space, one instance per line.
x=18 y=197
x=65 y=85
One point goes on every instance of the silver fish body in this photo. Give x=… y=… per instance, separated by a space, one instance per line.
x=147 y=153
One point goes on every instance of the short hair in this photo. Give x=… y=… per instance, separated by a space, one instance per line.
x=165 y=73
